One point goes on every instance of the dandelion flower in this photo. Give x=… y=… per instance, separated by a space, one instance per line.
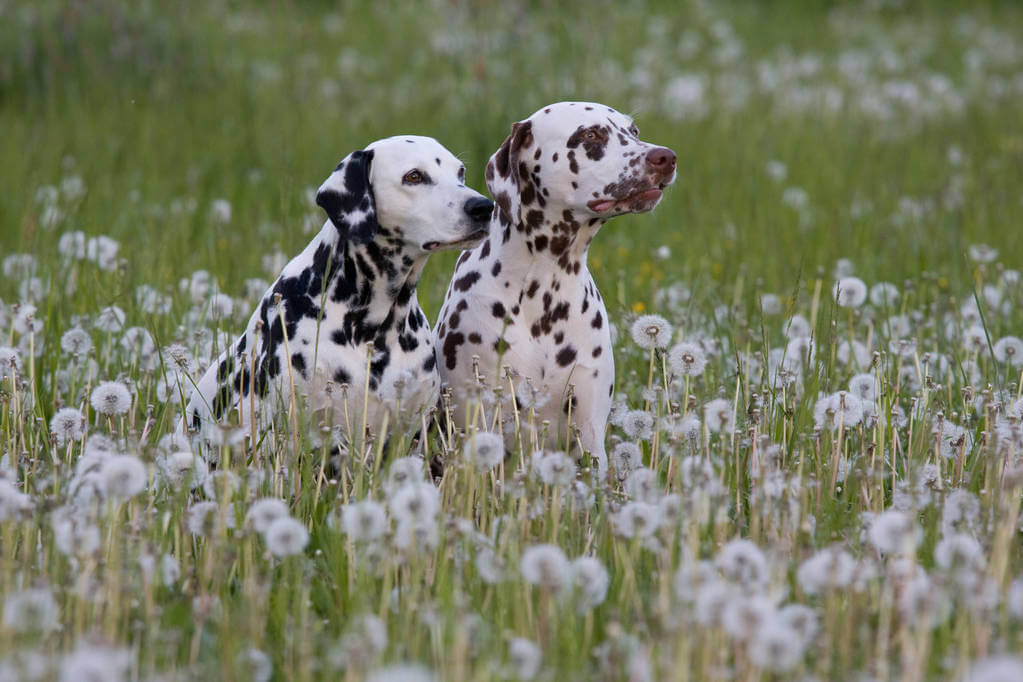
x=484 y=449
x=31 y=610
x=67 y=425
x=770 y=304
x=719 y=416
x=960 y=513
x=642 y=485
x=687 y=359
x=546 y=566
x=71 y=245
x=777 y=170
x=797 y=327
x=802 y=619
x=102 y=250
x=286 y=536
x=955 y=441
x=651 y=331
x=111 y=398
x=124 y=477
x=1009 y=349
x=264 y=512
x=220 y=211
x=525 y=658
x=364 y=521
x=13 y=502
x=849 y=292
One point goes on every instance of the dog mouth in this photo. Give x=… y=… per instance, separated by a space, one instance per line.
x=636 y=202
x=469 y=241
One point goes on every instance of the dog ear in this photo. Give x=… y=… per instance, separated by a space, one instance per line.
x=347 y=197
x=508 y=177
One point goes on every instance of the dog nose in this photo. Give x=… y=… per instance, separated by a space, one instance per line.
x=479 y=208
x=661 y=159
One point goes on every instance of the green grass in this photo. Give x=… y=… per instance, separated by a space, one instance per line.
x=156 y=106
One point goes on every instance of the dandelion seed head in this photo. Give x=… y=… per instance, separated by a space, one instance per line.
x=554 y=468
x=1009 y=349
x=110 y=319
x=124 y=477
x=10 y=362
x=31 y=610
x=286 y=536
x=413 y=502
x=776 y=646
x=67 y=425
x=484 y=449
x=264 y=511
x=402 y=471
x=830 y=569
x=255 y=664
x=364 y=521
x=849 y=292
x=89 y=662
x=894 y=532
x=401 y=673
x=638 y=424
x=111 y=398
x=741 y=561
x=545 y=566
x=960 y=513
x=744 y=614
x=207 y=519
x=651 y=331
x=884 y=295
x=719 y=416
x=627 y=456
x=525 y=658
x=637 y=520
x=982 y=253
x=76 y=341
x=687 y=359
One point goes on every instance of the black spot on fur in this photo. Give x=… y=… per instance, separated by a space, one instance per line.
x=465 y=282
x=566 y=356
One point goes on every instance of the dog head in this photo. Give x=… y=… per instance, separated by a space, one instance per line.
x=411 y=185
x=577 y=156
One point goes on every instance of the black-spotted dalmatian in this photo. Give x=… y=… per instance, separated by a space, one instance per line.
x=343 y=315
x=523 y=300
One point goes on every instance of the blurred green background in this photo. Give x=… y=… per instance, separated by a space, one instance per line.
x=897 y=124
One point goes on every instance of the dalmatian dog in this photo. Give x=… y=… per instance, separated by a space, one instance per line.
x=341 y=328
x=523 y=318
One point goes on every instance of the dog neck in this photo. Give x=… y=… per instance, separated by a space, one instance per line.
x=377 y=279
x=553 y=239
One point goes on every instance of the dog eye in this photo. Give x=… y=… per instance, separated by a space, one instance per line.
x=634 y=130
x=590 y=135
x=413 y=177
x=461 y=175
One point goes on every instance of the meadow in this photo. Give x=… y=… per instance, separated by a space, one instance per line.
x=817 y=440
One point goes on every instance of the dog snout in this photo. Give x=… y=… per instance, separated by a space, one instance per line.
x=479 y=208
x=661 y=159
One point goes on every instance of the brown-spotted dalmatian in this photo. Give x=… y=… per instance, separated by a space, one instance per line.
x=523 y=301
x=343 y=316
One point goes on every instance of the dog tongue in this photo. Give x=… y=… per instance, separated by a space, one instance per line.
x=601 y=206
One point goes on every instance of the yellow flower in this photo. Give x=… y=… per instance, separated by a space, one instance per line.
x=638 y=307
